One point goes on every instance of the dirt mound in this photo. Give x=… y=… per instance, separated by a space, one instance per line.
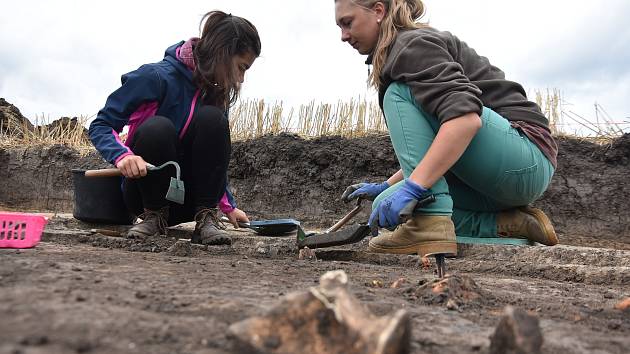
x=617 y=152
x=11 y=120
x=288 y=176
x=455 y=292
x=40 y=177
x=66 y=127
x=285 y=175
x=589 y=193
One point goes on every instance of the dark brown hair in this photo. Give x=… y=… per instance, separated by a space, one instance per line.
x=222 y=38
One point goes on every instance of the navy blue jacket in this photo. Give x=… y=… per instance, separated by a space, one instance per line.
x=164 y=88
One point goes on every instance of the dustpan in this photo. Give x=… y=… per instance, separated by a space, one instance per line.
x=276 y=227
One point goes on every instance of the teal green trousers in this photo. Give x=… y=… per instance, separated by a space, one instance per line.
x=500 y=169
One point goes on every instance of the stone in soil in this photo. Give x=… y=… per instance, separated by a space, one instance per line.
x=181 y=248
x=456 y=292
x=517 y=333
x=624 y=305
x=307 y=254
x=327 y=319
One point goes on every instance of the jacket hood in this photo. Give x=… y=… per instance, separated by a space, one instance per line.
x=171 y=56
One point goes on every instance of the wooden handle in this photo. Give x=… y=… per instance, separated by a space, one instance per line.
x=106 y=172
x=346 y=218
x=107 y=232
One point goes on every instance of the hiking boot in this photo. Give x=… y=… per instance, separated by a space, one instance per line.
x=209 y=230
x=526 y=222
x=422 y=234
x=154 y=223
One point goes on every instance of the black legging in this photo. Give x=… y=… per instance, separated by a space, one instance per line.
x=203 y=155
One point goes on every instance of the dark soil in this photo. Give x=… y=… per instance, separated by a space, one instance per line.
x=40 y=178
x=79 y=292
x=12 y=120
x=287 y=176
x=87 y=293
x=588 y=198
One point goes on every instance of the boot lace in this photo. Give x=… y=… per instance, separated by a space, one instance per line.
x=158 y=215
x=205 y=216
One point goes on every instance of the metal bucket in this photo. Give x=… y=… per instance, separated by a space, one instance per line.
x=99 y=200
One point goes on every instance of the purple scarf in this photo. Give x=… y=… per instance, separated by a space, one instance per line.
x=185 y=53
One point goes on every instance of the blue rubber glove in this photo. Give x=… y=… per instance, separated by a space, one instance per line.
x=396 y=208
x=367 y=191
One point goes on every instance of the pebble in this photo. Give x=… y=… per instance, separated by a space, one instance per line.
x=307 y=253
x=517 y=332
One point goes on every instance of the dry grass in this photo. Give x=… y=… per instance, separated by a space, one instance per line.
x=357 y=117
x=66 y=131
x=255 y=118
x=551 y=104
x=248 y=119
x=563 y=121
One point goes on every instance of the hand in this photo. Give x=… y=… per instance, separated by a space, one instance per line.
x=367 y=191
x=396 y=208
x=132 y=166
x=236 y=216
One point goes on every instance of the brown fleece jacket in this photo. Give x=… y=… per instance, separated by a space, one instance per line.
x=449 y=79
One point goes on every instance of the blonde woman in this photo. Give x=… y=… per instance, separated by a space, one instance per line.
x=460 y=130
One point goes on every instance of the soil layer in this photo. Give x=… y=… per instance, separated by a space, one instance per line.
x=79 y=292
x=287 y=176
x=84 y=292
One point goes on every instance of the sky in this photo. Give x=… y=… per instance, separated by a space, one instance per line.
x=64 y=57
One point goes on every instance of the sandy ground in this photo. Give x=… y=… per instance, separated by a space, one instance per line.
x=78 y=292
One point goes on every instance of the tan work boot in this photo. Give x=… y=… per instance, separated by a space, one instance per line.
x=209 y=230
x=527 y=222
x=422 y=234
x=154 y=223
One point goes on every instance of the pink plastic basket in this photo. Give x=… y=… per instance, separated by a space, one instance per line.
x=20 y=230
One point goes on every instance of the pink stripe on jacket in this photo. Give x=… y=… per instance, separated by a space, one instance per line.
x=140 y=116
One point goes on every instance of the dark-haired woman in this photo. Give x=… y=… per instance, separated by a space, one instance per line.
x=460 y=130
x=176 y=110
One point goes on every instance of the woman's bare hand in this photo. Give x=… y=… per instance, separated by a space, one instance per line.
x=237 y=215
x=132 y=166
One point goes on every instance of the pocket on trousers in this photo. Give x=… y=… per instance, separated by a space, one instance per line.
x=519 y=187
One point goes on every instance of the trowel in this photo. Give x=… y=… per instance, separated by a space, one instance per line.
x=332 y=236
x=175 y=191
x=335 y=237
x=353 y=234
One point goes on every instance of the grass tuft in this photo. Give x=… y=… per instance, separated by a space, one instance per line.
x=254 y=118
x=66 y=131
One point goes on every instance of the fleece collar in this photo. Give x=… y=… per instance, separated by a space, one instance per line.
x=185 y=53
